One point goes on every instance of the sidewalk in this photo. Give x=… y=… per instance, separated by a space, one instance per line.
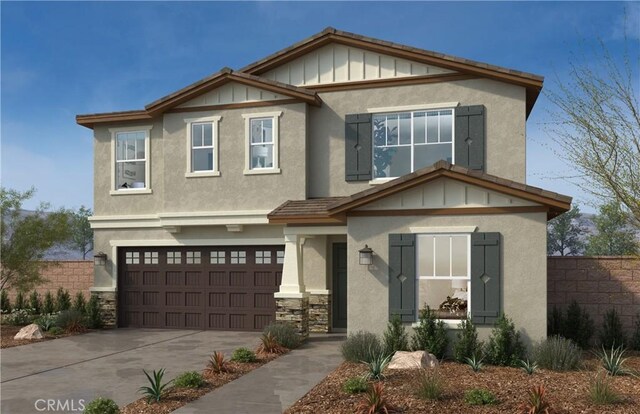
x=277 y=385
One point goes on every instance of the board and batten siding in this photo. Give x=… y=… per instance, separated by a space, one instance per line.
x=233 y=92
x=336 y=63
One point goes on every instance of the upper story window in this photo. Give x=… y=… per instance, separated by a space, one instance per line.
x=407 y=141
x=262 y=150
x=202 y=146
x=131 y=164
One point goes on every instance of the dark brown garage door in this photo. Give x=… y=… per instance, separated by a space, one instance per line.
x=226 y=288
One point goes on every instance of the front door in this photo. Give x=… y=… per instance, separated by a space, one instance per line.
x=339 y=286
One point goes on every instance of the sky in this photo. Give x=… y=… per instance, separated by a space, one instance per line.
x=59 y=59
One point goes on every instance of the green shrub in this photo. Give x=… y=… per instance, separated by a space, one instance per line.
x=71 y=321
x=557 y=354
x=479 y=397
x=243 y=355
x=467 y=344
x=63 y=300
x=504 y=346
x=189 y=379
x=555 y=322
x=430 y=385
x=395 y=337
x=5 y=302
x=35 y=303
x=156 y=388
x=285 y=334
x=20 y=302
x=612 y=334
x=79 y=304
x=430 y=335
x=377 y=365
x=601 y=392
x=355 y=385
x=46 y=322
x=48 y=305
x=613 y=360
x=93 y=313
x=578 y=326
x=361 y=346
x=56 y=330
x=635 y=339
x=101 y=406
x=19 y=317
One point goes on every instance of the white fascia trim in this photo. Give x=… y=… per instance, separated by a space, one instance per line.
x=448 y=229
x=315 y=231
x=440 y=105
x=180 y=219
x=216 y=118
x=274 y=114
x=197 y=242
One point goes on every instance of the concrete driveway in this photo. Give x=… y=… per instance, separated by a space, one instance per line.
x=74 y=370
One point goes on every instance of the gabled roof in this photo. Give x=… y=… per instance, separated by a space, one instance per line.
x=532 y=82
x=209 y=83
x=327 y=210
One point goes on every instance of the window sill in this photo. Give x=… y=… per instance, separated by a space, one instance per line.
x=449 y=324
x=202 y=174
x=378 y=181
x=262 y=171
x=132 y=191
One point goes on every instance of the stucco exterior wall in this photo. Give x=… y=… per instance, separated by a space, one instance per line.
x=504 y=124
x=524 y=271
x=315 y=263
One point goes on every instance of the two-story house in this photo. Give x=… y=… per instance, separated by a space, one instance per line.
x=332 y=184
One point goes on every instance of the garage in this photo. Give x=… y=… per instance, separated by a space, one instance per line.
x=212 y=287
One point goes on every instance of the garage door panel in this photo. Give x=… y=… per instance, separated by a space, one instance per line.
x=227 y=288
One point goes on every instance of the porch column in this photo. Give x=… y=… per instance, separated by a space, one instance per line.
x=292 y=302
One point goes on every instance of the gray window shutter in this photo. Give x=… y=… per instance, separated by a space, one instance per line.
x=470 y=137
x=402 y=276
x=358 y=147
x=485 y=278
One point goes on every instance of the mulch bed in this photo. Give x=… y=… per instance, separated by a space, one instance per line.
x=7 y=332
x=177 y=397
x=566 y=391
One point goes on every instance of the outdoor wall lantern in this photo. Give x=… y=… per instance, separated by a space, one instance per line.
x=366 y=255
x=100 y=259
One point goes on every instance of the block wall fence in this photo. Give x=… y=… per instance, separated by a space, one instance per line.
x=597 y=284
x=72 y=275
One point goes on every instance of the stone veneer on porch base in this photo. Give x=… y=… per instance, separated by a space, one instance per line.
x=108 y=306
x=319 y=312
x=296 y=312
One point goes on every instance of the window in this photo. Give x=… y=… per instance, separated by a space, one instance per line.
x=130 y=148
x=238 y=257
x=261 y=132
x=193 y=257
x=263 y=257
x=174 y=258
x=202 y=146
x=217 y=257
x=407 y=141
x=132 y=258
x=150 y=257
x=443 y=274
x=280 y=257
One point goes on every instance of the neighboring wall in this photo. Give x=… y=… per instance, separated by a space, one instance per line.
x=74 y=276
x=597 y=284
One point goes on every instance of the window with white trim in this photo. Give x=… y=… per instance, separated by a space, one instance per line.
x=407 y=141
x=132 y=258
x=263 y=257
x=217 y=257
x=193 y=257
x=238 y=257
x=280 y=257
x=130 y=159
x=202 y=146
x=262 y=143
x=174 y=257
x=444 y=268
x=150 y=257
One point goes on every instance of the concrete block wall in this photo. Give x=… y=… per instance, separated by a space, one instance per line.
x=597 y=284
x=72 y=275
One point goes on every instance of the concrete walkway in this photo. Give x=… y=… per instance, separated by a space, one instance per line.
x=77 y=369
x=275 y=386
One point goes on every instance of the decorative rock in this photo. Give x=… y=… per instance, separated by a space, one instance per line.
x=29 y=332
x=413 y=360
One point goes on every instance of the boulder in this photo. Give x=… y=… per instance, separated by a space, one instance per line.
x=29 y=332
x=413 y=360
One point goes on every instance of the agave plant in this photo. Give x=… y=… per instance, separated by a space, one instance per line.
x=377 y=364
x=475 y=362
x=374 y=401
x=155 y=391
x=528 y=366
x=612 y=360
x=536 y=402
x=217 y=363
